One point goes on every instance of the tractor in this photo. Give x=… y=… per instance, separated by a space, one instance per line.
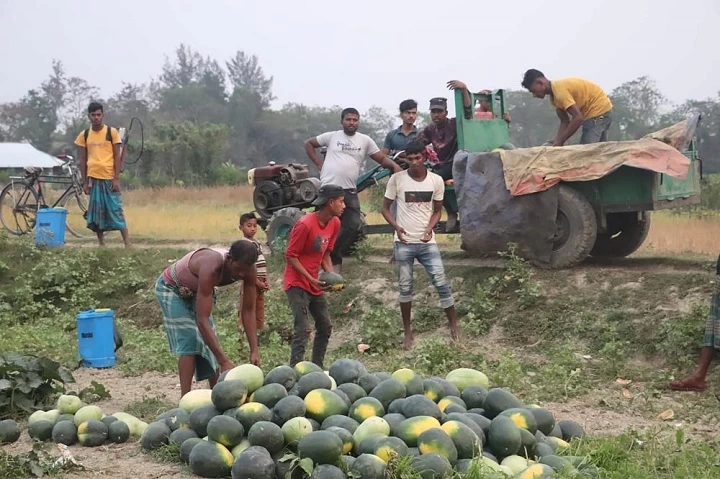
x=604 y=217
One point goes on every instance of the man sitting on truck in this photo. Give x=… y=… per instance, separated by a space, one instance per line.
x=578 y=102
x=442 y=134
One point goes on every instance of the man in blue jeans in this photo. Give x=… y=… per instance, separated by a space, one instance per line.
x=419 y=196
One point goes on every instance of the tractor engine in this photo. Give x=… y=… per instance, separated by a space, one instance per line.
x=279 y=186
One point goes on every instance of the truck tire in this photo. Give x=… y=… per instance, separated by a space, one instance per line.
x=626 y=233
x=576 y=229
x=279 y=227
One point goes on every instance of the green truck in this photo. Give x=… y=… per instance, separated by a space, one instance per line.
x=605 y=217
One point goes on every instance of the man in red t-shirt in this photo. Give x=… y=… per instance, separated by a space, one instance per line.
x=311 y=241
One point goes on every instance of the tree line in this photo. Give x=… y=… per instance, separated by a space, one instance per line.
x=207 y=121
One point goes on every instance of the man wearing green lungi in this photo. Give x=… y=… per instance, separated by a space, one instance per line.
x=186 y=293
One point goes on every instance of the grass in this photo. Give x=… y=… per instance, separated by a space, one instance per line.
x=148 y=408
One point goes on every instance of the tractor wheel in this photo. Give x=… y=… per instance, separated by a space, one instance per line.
x=359 y=238
x=279 y=227
x=626 y=233
x=576 y=229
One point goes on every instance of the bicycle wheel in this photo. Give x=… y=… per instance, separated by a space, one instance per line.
x=18 y=208
x=76 y=203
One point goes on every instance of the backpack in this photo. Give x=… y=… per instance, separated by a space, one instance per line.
x=108 y=135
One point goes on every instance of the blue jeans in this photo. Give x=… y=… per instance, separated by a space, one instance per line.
x=428 y=255
x=595 y=130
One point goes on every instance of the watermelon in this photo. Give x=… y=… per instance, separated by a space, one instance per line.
x=449 y=400
x=174 y=418
x=420 y=405
x=87 y=413
x=295 y=429
x=393 y=420
x=187 y=447
x=283 y=375
x=410 y=429
x=515 y=463
x=195 y=399
x=323 y=447
x=436 y=441
x=462 y=378
x=353 y=391
x=94 y=433
x=200 y=418
x=522 y=418
x=211 y=459
x=137 y=427
x=345 y=436
x=269 y=394
x=373 y=425
x=368 y=466
x=41 y=430
x=347 y=371
x=431 y=466
x=504 y=437
x=333 y=280
x=244 y=444
x=327 y=471
x=474 y=396
x=366 y=407
x=537 y=471
x=467 y=443
x=228 y=394
x=396 y=406
x=312 y=381
x=252 y=412
x=342 y=396
x=155 y=435
x=49 y=416
x=498 y=400
x=544 y=418
x=288 y=408
x=178 y=436
x=433 y=390
x=387 y=391
x=412 y=382
x=571 y=430
x=339 y=420
x=65 y=432
x=389 y=447
x=250 y=374
x=306 y=367
x=368 y=382
x=268 y=435
x=225 y=430
x=323 y=403
x=9 y=431
x=68 y=404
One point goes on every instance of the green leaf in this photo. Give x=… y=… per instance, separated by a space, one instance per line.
x=5 y=384
x=307 y=465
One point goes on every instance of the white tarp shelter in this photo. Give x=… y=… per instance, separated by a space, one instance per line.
x=20 y=155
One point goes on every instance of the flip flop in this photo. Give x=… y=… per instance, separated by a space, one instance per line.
x=680 y=386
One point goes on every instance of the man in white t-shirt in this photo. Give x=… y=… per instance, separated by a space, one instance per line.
x=344 y=161
x=419 y=196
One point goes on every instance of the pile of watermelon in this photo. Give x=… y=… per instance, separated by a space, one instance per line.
x=346 y=422
x=73 y=422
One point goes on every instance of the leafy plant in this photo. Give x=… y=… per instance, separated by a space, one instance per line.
x=379 y=329
x=35 y=463
x=94 y=393
x=29 y=383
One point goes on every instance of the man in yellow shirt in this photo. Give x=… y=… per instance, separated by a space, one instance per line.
x=100 y=167
x=578 y=102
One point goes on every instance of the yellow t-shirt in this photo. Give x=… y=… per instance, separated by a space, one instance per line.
x=100 y=163
x=588 y=96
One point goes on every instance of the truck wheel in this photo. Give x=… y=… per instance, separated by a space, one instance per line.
x=626 y=233
x=576 y=229
x=279 y=227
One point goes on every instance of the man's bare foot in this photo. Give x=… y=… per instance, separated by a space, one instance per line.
x=408 y=343
x=454 y=334
x=691 y=383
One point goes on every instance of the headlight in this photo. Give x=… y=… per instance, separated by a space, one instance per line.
x=251 y=177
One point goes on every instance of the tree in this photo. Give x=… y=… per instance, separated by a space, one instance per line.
x=33 y=119
x=636 y=109
x=246 y=74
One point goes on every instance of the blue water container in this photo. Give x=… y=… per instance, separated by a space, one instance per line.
x=50 y=227
x=96 y=341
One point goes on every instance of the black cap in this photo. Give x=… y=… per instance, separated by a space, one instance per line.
x=438 y=103
x=326 y=193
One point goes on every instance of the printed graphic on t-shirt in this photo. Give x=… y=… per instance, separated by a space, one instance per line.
x=348 y=147
x=320 y=243
x=418 y=196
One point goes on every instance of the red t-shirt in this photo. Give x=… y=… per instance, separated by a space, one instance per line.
x=308 y=243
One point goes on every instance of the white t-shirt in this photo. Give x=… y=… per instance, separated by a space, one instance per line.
x=414 y=201
x=345 y=157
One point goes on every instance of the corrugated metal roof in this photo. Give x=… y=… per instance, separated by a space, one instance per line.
x=20 y=155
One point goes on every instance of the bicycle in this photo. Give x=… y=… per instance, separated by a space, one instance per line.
x=24 y=195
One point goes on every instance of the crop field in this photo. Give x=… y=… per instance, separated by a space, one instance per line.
x=596 y=345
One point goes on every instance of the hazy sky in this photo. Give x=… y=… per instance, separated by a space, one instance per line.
x=369 y=52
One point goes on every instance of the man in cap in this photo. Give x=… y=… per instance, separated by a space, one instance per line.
x=312 y=240
x=344 y=161
x=442 y=134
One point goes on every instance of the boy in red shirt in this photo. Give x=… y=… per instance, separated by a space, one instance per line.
x=311 y=241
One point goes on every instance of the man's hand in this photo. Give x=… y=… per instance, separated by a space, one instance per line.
x=321 y=285
x=262 y=284
x=507 y=118
x=557 y=143
x=427 y=236
x=115 y=185
x=254 y=358
x=86 y=187
x=456 y=85
x=226 y=365
x=401 y=234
